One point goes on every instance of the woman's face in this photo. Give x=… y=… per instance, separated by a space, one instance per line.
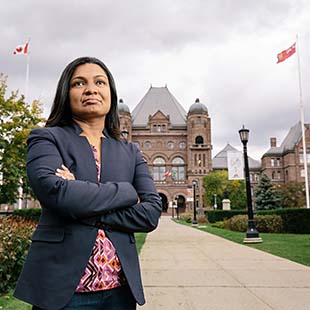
x=90 y=95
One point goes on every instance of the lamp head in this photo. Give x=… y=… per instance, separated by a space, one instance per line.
x=244 y=135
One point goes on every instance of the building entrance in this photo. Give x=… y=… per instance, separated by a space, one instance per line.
x=164 y=201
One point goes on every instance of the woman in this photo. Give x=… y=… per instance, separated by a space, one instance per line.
x=95 y=191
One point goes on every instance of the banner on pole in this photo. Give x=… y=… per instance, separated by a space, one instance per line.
x=235 y=166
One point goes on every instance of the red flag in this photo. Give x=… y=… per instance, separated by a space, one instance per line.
x=21 y=49
x=167 y=173
x=286 y=53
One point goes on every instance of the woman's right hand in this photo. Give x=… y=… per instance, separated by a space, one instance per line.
x=64 y=173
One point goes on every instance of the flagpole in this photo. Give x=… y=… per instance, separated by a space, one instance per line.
x=27 y=73
x=302 y=118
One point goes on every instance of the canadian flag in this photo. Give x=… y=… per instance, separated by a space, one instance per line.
x=21 y=49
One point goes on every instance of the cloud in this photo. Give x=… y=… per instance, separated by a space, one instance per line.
x=223 y=52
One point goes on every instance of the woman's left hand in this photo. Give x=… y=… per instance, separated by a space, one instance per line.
x=64 y=173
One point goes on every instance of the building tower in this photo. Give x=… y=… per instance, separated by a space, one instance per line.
x=198 y=144
x=125 y=119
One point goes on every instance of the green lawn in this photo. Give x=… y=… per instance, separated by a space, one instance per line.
x=295 y=247
x=8 y=302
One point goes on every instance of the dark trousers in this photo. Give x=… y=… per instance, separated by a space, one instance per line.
x=119 y=298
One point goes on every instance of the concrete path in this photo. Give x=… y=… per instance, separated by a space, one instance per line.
x=184 y=268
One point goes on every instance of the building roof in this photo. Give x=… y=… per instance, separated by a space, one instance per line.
x=198 y=108
x=289 y=142
x=158 y=99
x=219 y=161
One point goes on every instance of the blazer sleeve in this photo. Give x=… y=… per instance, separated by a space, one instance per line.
x=70 y=198
x=143 y=216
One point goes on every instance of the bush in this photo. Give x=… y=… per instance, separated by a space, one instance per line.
x=264 y=223
x=15 y=236
x=188 y=217
x=295 y=221
x=28 y=214
x=221 y=215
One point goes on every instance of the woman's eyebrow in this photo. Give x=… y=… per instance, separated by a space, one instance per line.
x=83 y=77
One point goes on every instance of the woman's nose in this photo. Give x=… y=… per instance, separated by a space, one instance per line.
x=90 y=89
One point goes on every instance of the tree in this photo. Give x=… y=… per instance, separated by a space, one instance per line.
x=267 y=196
x=17 y=118
x=292 y=195
x=217 y=182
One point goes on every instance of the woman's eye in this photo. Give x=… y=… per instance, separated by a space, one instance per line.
x=77 y=83
x=100 y=82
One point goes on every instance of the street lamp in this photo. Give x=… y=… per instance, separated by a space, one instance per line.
x=195 y=185
x=215 y=204
x=252 y=235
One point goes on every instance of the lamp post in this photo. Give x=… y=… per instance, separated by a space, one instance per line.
x=195 y=185
x=252 y=235
x=215 y=204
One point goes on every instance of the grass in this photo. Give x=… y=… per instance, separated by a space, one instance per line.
x=295 y=247
x=9 y=302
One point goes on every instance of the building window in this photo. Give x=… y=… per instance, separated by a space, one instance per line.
x=182 y=145
x=198 y=120
x=302 y=173
x=278 y=162
x=273 y=175
x=279 y=175
x=272 y=162
x=147 y=144
x=256 y=177
x=159 y=169
x=251 y=177
x=199 y=140
x=178 y=169
x=170 y=145
x=301 y=156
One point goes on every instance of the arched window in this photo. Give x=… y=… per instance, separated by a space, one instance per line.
x=199 y=140
x=159 y=169
x=178 y=169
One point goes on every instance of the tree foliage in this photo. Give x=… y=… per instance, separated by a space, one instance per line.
x=17 y=118
x=217 y=182
x=267 y=197
x=292 y=195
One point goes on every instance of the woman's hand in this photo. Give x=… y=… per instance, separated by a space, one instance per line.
x=64 y=173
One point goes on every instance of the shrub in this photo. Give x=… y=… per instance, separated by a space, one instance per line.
x=221 y=224
x=29 y=214
x=264 y=223
x=296 y=221
x=15 y=236
x=221 y=215
x=187 y=217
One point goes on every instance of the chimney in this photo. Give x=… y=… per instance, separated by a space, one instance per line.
x=273 y=142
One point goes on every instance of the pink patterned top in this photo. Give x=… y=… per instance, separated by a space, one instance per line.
x=103 y=270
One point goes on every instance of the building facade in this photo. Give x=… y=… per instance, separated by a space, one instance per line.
x=285 y=163
x=175 y=143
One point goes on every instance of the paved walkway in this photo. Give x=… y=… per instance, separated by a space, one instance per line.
x=184 y=268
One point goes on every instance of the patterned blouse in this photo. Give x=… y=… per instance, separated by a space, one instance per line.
x=103 y=270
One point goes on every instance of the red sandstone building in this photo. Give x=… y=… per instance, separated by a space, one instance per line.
x=175 y=143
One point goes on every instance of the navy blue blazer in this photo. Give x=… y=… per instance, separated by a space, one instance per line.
x=73 y=210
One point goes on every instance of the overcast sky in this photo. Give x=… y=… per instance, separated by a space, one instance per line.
x=222 y=52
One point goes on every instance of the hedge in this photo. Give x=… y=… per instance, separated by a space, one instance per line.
x=294 y=220
x=270 y=223
x=222 y=215
x=28 y=214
